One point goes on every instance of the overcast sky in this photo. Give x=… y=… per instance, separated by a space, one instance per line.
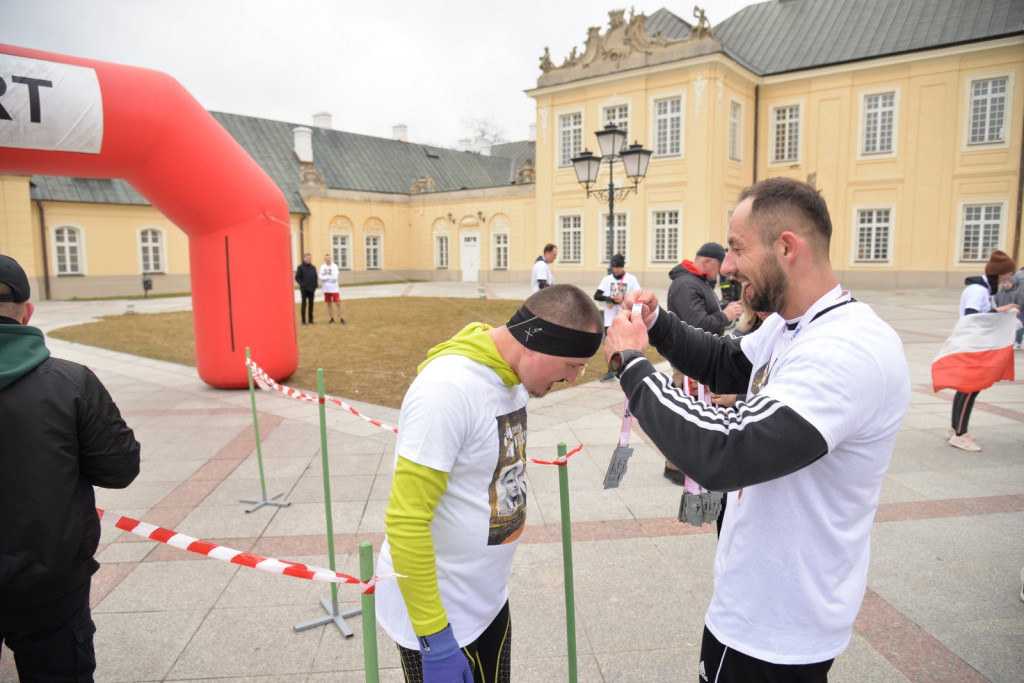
x=434 y=66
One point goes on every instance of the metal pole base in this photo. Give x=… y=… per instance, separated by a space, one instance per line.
x=260 y=502
x=332 y=615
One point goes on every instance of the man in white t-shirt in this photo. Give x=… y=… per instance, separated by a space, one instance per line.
x=458 y=498
x=542 y=276
x=611 y=291
x=329 y=282
x=802 y=457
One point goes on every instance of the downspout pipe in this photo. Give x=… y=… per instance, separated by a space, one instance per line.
x=46 y=250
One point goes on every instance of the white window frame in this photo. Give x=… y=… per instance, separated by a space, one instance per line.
x=497 y=247
x=674 y=251
x=735 y=130
x=961 y=222
x=612 y=113
x=79 y=245
x=855 y=260
x=442 y=251
x=341 y=249
x=565 y=255
x=773 y=133
x=161 y=246
x=969 y=112
x=376 y=249
x=620 y=238
x=863 y=154
x=656 y=119
x=577 y=146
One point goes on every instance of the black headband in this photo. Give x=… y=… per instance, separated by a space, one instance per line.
x=548 y=338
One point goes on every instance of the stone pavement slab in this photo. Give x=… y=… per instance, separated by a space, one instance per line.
x=947 y=548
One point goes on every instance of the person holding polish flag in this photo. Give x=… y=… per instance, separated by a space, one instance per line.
x=979 y=353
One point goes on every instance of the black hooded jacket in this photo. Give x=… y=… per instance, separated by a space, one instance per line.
x=60 y=435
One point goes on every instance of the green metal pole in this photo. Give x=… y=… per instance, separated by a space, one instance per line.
x=256 y=425
x=327 y=483
x=369 y=615
x=570 y=600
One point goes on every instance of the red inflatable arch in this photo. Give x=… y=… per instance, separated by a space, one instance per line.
x=68 y=116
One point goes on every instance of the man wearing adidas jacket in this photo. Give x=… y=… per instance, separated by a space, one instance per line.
x=802 y=458
x=454 y=515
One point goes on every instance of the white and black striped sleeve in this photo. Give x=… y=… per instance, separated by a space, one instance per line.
x=722 y=449
x=715 y=361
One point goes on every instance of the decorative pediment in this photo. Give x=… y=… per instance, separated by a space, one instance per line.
x=627 y=45
x=309 y=175
x=422 y=184
x=526 y=173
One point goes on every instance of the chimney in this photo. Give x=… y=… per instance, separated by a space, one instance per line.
x=400 y=132
x=303 y=144
x=482 y=146
x=532 y=135
x=465 y=145
x=322 y=120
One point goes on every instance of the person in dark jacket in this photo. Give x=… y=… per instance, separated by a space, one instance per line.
x=306 y=276
x=62 y=434
x=691 y=296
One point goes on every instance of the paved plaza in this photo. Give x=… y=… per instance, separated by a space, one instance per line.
x=942 y=602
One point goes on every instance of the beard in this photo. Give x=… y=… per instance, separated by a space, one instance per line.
x=771 y=293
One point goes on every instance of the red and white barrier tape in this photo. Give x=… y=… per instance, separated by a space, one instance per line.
x=560 y=460
x=219 y=552
x=265 y=382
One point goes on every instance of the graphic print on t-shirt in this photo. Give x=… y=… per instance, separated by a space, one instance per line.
x=507 y=492
x=617 y=288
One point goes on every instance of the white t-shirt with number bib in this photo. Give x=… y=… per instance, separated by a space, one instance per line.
x=459 y=417
x=612 y=286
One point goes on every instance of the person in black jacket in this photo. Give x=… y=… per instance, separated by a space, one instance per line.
x=62 y=434
x=306 y=276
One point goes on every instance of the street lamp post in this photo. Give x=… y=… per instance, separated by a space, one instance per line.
x=634 y=158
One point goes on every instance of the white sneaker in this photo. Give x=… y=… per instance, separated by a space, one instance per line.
x=1016 y=347
x=1022 y=583
x=964 y=442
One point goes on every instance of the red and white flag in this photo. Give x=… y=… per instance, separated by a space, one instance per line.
x=978 y=354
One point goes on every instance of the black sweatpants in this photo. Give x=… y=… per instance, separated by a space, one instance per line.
x=721 y=664
x=307 y=301
x=963 y=404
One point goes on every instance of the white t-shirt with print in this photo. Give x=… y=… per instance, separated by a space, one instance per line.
x=459 y=417
x=612 y=286
x=329 y=278
x=792 y=562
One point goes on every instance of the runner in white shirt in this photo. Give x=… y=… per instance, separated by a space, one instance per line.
x=542 y=276
x=329 y=282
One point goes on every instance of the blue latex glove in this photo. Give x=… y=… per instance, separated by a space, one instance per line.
x=443 y=661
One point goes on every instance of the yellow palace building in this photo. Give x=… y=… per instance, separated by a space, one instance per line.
x=905 y=113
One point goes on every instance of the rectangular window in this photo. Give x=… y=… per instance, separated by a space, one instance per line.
x=570 y=239
x=988 y=111
x=341 y=251
x=500 y=251
x=981 y=231
x=620 y=236
x=879 y=115
x=668 y=125
x=873 y=229
x=66 y=243
x=373 y=252
x=442 y=251
x=570 y=127
x=735 y=131
x=786 y=123
x=151 y=248
x=619 y=115
x=666 y=236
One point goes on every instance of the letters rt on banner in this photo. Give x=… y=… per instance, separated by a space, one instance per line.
x=49 y=106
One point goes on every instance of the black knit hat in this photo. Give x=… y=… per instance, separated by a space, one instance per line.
x=712 y=250
x=12 y=275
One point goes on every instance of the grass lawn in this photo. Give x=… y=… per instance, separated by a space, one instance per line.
x=372 y=358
